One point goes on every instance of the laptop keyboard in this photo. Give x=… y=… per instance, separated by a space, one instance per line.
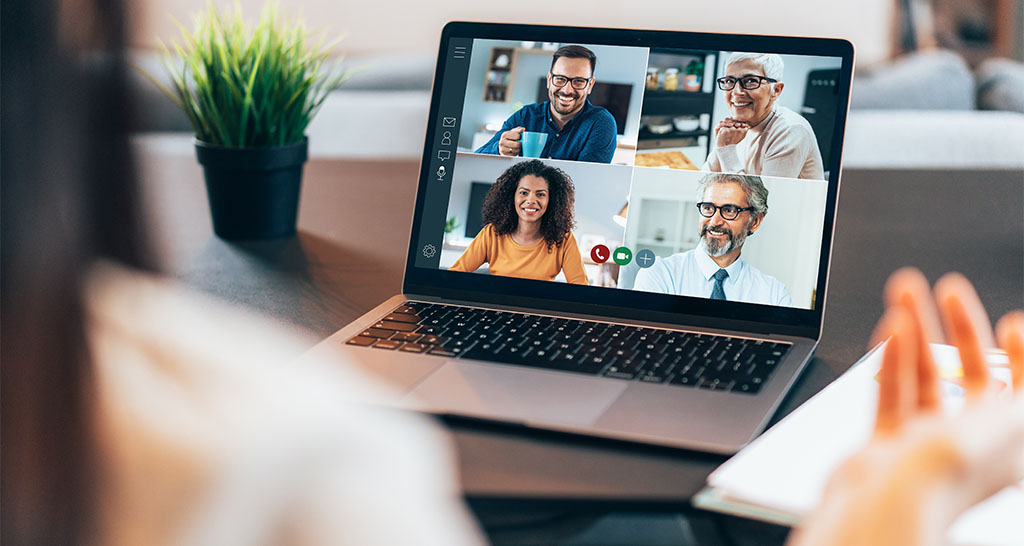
x=629 y=353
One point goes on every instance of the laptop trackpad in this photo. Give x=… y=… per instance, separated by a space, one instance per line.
x=511 y=393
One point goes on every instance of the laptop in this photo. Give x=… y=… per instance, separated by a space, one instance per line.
x=578 y=289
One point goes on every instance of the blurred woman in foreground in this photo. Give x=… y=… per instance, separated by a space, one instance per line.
x=137 y=412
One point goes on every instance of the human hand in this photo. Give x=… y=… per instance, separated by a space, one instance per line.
x=510 y=144
x=923 y=467
x=730 y=131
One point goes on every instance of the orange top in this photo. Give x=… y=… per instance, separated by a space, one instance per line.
x=510 y=259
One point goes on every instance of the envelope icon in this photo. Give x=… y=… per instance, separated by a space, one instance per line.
x=448 y=122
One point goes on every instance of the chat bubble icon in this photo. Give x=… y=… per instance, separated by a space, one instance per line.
x=443 y=155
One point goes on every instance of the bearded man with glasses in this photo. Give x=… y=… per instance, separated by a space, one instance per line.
x=760 y=137
x=576 y=129
x=731 y=207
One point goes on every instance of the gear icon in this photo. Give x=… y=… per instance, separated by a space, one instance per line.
x=429 y=251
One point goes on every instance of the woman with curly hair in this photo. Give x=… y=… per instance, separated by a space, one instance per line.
x=528 y=217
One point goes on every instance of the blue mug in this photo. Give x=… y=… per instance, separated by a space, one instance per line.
x=533 y=143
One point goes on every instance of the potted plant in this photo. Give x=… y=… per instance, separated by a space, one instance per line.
x=450 y=225
x=249 y=93
x=694 y=72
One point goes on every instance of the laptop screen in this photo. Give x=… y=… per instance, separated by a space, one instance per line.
x=678 y=173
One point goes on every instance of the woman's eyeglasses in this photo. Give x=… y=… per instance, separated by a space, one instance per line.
x=747 y=82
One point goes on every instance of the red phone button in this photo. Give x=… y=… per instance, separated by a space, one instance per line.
x=600 y=254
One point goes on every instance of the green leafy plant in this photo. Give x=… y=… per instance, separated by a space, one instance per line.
x=451 y=224
x=243 y=86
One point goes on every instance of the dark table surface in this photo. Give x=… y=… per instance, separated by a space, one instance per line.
x=349 y=255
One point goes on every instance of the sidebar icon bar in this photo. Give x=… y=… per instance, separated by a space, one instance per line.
x=439 y=172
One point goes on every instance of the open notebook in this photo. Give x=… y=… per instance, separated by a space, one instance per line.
x=781 y=476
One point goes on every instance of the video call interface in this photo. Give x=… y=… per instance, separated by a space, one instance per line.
x=686 y=172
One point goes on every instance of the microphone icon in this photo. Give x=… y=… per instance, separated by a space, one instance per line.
x=441 y=172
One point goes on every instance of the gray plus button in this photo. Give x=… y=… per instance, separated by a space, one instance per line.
x=645 y=258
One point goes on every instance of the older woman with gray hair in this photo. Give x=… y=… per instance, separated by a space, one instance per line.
x=761 y=137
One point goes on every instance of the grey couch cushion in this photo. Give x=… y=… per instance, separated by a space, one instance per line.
x=933 y=80
x=389 y=72
x=1001 y=85
x=154 y=110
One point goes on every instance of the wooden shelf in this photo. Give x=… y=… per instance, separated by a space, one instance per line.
x=662 y=103
x=498 y=79
x=677 y=103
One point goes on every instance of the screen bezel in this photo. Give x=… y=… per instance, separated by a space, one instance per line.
x=622 y=303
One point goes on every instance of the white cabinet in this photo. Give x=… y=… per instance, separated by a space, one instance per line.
x=663 y=224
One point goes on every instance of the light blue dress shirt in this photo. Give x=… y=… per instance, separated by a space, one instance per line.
x=692 y=273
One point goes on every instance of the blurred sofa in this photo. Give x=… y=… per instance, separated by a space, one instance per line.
x=927 y=110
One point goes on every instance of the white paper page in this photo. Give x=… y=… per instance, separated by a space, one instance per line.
x=788 y=467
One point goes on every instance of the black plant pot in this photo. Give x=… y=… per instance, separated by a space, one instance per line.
x=253 y=192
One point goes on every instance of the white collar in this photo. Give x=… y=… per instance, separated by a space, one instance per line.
x=708 y=267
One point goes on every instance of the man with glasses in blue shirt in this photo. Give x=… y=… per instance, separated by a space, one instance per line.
x=731 y=207
x=575 y=128
x=760 y=137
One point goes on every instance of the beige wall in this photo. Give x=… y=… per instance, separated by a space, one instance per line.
x=383 y=26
